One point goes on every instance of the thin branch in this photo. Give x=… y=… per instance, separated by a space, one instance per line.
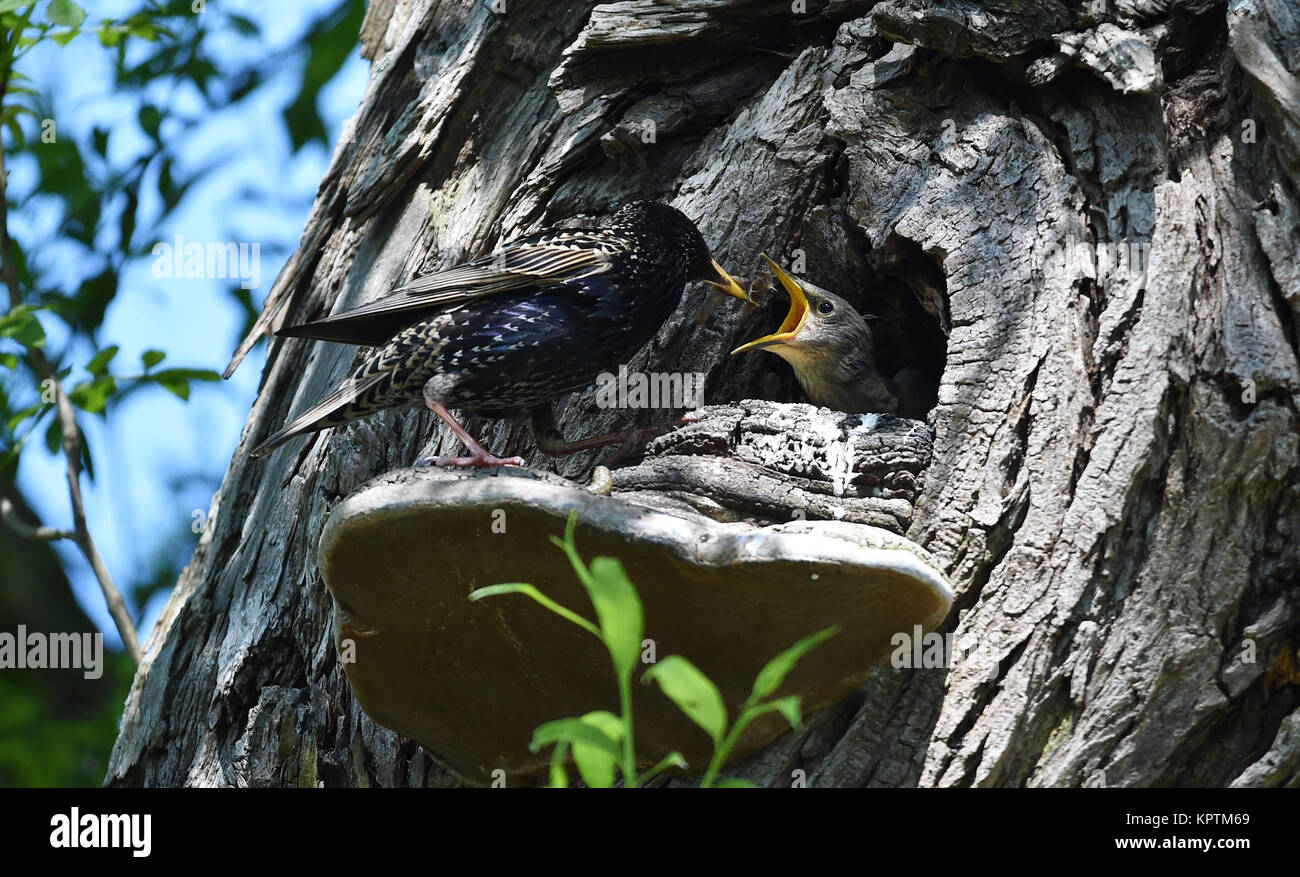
x=26 y=530
x=67 y=417
x=112 y=596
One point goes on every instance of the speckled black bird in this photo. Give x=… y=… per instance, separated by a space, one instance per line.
x=504 y=334
x=830 y=347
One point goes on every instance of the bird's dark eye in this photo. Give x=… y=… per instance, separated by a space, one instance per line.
x=825 y=307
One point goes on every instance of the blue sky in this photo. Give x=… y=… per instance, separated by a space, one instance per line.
x=154 y=439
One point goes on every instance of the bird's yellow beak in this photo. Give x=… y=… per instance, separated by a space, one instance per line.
x=794 y=320
x=728 y=284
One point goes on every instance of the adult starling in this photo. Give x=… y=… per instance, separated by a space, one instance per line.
x=830 y=347
x=505 y=334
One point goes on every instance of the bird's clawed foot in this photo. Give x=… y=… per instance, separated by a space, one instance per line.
x=478 y=457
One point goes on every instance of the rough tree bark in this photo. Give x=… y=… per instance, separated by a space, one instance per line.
x=1115 y=484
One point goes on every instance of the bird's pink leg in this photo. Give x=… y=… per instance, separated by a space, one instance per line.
x=626 y=439
x=478 y=457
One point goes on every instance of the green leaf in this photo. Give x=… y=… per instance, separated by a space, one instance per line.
x=150 y=121
x=11 y=5
x=594 y=763
x=64 y=37
x=150 y=358
x=65 y=13
x=54 y=436
x=770 y=677
x=177 y=380
x=99 y=365
x=94 y=293
x=786 y=706
x=23 y=415
x=13 y=111
x=789 y=707
x=9 y=462
x=332 y=40
x=109 y=36
x=9 y=360
x=622 y=620
x=21 y=325
x=246 y=26
x=188 y=374
x=15 y=131
x=572 y=731
x=176 y=386
x=86 y=462
x=693 y=692
x=530 y=591
x=92 y=397
x=736 y=783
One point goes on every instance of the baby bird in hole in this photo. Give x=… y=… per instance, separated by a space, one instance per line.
x=830 y=347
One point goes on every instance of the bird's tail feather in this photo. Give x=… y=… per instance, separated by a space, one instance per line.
x=348 y=402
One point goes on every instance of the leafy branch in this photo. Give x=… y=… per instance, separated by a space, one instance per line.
x=14 y=41
x=72 y=450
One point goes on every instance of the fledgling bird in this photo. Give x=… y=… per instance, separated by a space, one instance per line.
x=830 y=347
x=506 y=333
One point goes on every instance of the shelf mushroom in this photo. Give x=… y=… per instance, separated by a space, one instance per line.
x=471 y=680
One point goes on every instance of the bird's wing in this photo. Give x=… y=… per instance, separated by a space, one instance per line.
x=349 y=401
x=541 y=261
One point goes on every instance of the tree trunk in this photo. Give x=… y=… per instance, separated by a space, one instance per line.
x=1081 y=224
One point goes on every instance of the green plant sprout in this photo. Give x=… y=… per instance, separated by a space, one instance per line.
x=600 y=741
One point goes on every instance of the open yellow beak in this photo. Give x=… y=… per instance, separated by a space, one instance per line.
x=728 y=284
x=794 y=320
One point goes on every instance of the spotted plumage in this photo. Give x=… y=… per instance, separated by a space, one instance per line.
x=505 y=334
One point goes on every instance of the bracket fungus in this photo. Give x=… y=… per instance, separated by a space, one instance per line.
x=471 y=680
